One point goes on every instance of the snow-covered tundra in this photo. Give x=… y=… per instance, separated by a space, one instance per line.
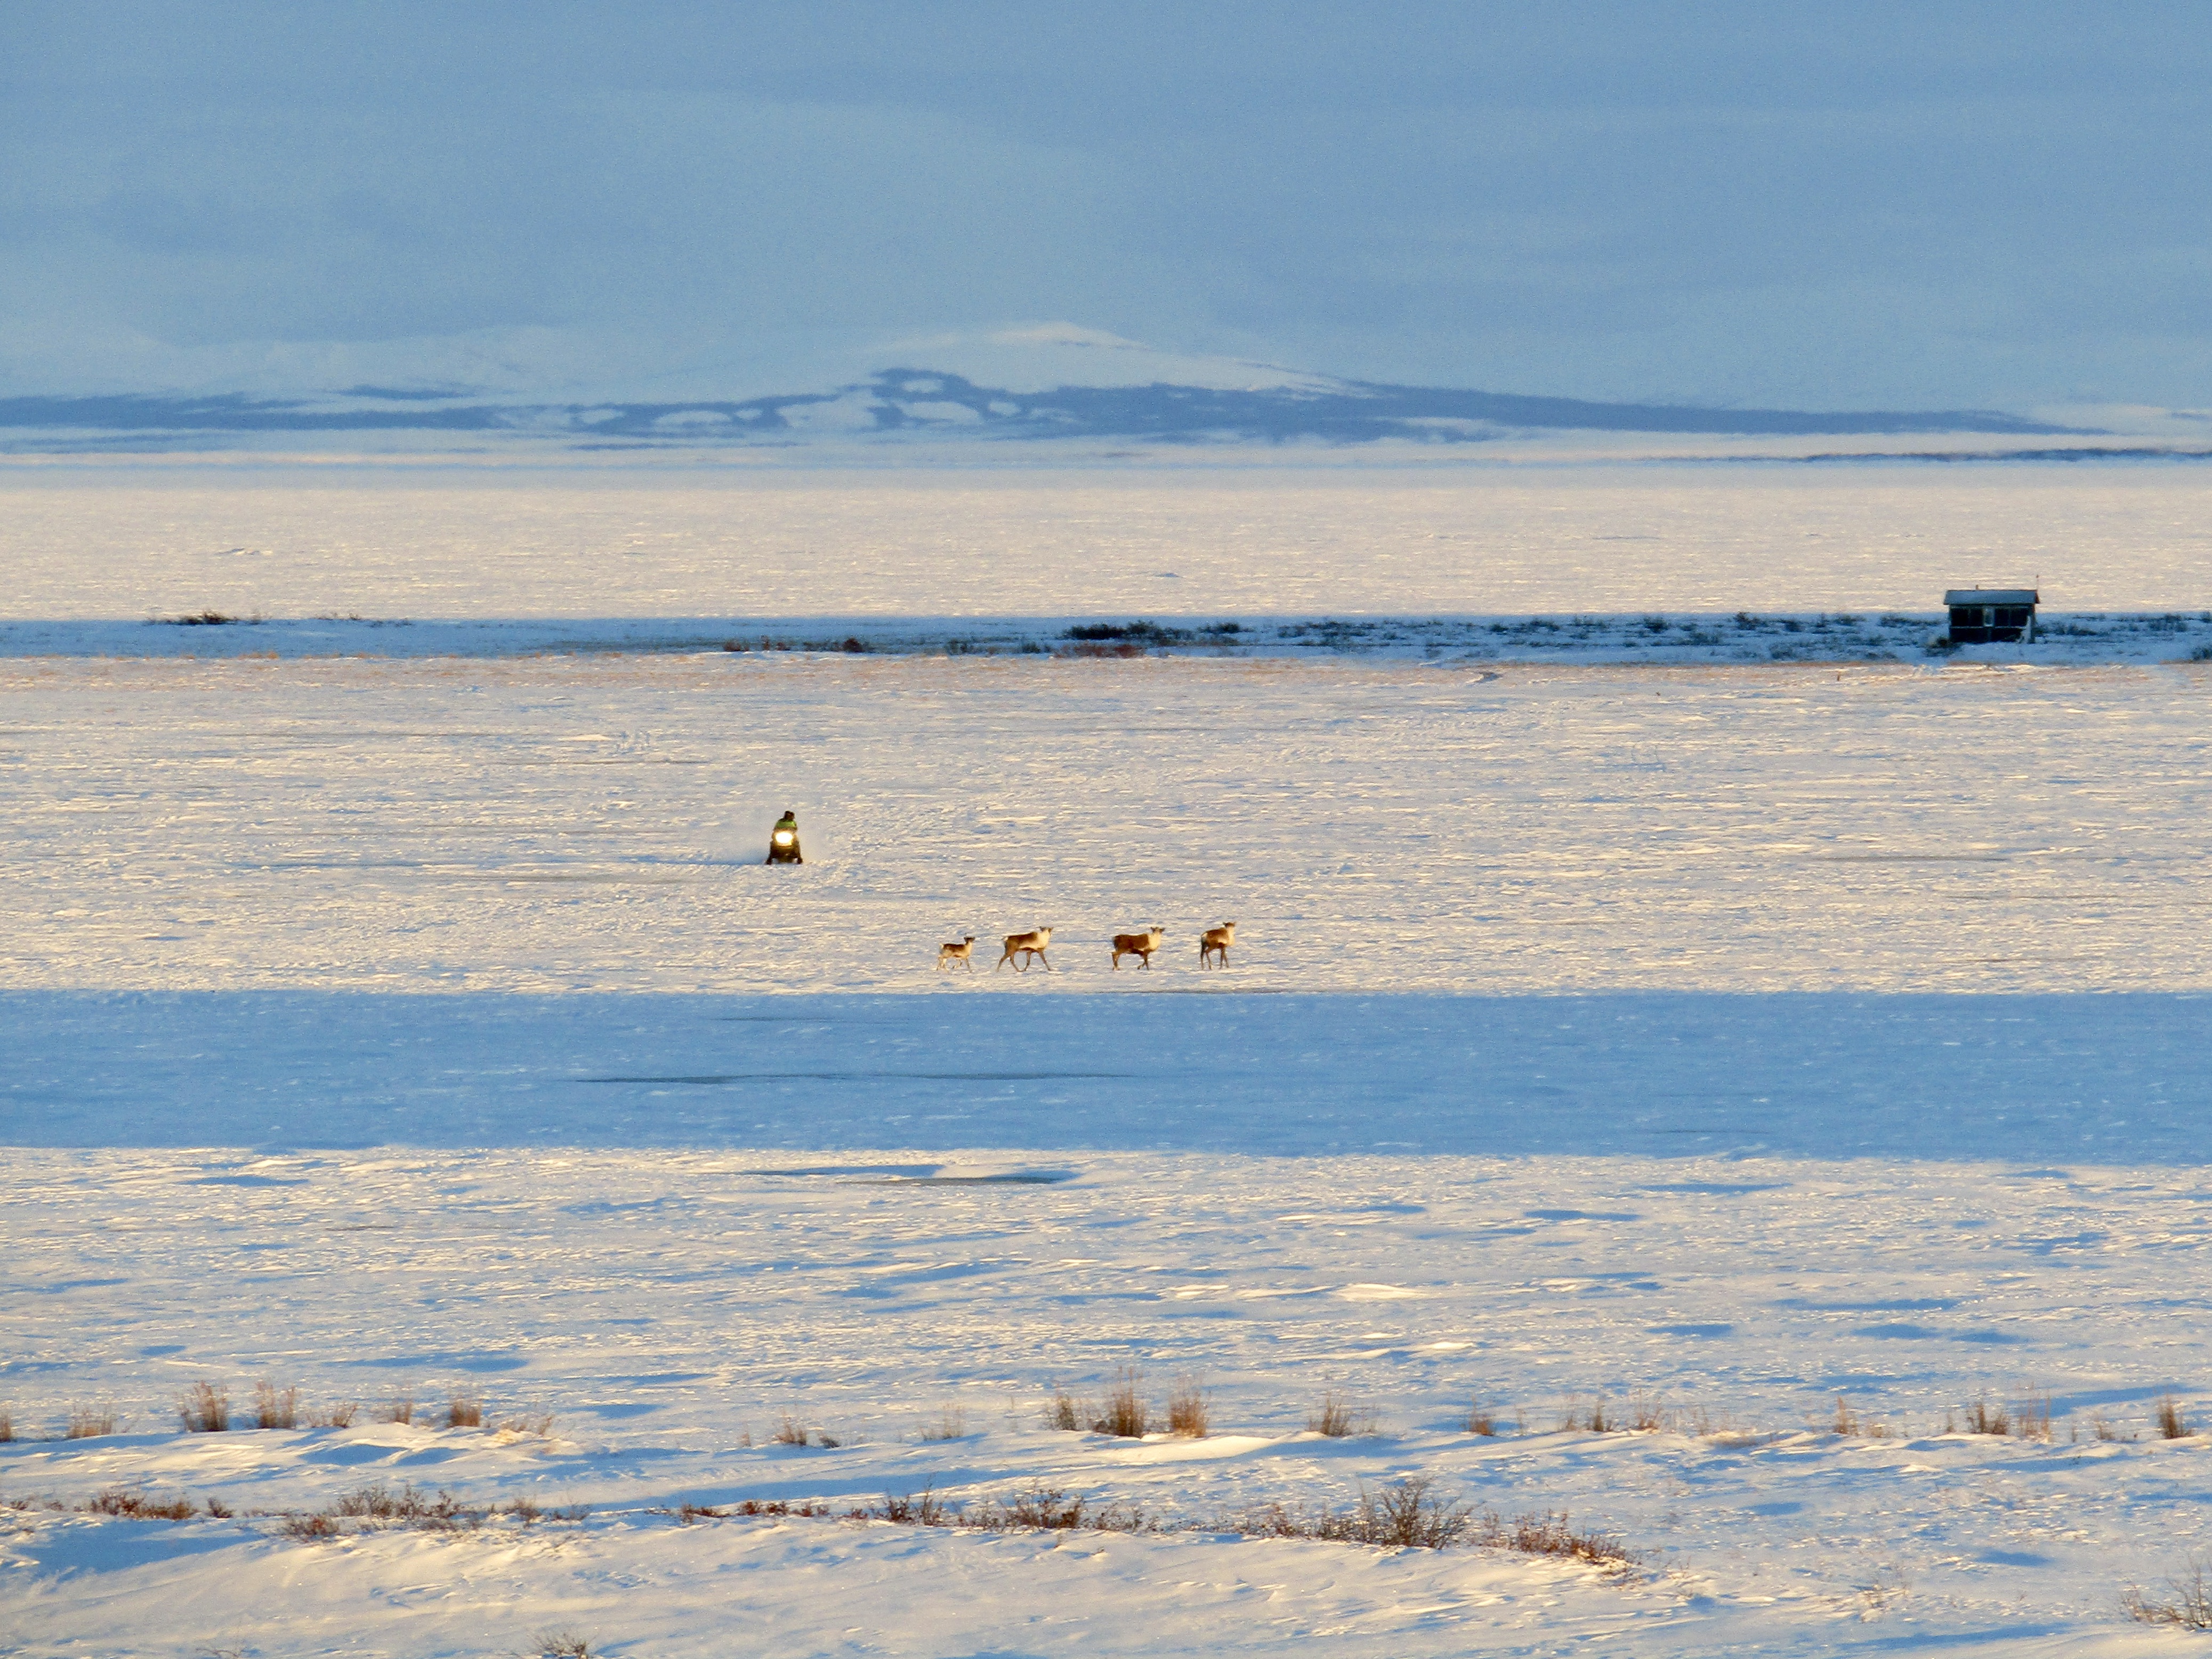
x=1755 y=1112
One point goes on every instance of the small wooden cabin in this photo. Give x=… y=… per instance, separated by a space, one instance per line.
x=1991 y=616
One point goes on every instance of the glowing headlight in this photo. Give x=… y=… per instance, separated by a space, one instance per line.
x=784 y=838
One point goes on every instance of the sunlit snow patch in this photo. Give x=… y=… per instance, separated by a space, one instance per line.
x=940 y=1173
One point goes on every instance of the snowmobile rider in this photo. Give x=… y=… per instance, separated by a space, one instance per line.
x=783 y=841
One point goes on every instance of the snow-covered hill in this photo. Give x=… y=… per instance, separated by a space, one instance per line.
x=1032 y=384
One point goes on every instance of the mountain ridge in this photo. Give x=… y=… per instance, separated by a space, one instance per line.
x=901 y=403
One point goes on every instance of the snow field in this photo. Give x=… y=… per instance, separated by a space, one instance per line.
x=641 y=1585
x=468 y=544
x=569 y=823
x=2048 y=1080
x=668 y=1307
x=1715 y=1041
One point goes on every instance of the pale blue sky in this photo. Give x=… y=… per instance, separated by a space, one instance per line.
x=1832 y=205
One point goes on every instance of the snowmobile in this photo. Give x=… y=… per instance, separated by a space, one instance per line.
x=783 y=841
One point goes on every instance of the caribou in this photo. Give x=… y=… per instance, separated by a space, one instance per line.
x=1030 y=943
x=1137 y=944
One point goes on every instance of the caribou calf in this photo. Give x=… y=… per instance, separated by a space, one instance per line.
x=963 y=953
x=1215 y=942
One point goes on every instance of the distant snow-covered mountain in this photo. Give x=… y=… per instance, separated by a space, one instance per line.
x=897 y=405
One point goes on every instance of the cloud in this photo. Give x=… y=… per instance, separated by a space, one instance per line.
x=1878 y=205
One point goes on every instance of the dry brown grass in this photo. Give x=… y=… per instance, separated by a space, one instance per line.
x=7 y=1427
x=2187 y=1602
x=1983 y=1418
x=1126 y=1414
x=951 y=1423
x=1048 y=1508
x=790 y=1432
x=275 y=1408
x=1066 y=1412
x=1593 y=1419
x=1409 y=1515
x=1186 y=1408
x=922 y=1509
x=204 y=1408
x=401 y=1410
x=381 y=1503
x=1885 y=1584
x=540 y=1423
x=380 y=1508
x=561 y=1644
x=1340 y=1417
x=1550 y=1534
x=337 y=1416
x=1479 y=1420
x=2172 y=1426
x=131 y=1505
x=370 y=1509
x=463 y=1412
x=2031 y=1418
x=1844 y=1422
x=89 y=1422
x=1043 y=1508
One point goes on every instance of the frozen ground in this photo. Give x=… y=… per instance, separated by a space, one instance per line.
x=474 y=544
x=1715 y=1040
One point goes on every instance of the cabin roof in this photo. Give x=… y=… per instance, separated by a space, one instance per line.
x=1991 y=596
